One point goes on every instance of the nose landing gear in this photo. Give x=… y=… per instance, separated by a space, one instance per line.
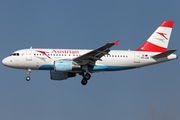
x=28 y=78
x=28 y=73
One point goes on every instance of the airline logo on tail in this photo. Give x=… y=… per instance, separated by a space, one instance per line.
x=162 y=34
x=159 y=40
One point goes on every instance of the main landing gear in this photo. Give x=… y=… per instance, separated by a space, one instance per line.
x=85 y=79
x=28 y=73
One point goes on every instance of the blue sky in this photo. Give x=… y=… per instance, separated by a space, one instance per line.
x=150 y=93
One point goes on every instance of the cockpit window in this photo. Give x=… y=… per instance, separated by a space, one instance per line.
x=15 y=54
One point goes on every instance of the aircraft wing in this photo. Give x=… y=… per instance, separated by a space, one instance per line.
x=94 y=55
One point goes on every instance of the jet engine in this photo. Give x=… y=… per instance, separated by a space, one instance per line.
x=65 y=65
x=58 y=75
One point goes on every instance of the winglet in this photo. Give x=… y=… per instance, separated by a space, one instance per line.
x=116 y=42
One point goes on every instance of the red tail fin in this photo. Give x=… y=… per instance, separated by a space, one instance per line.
x=158 y=41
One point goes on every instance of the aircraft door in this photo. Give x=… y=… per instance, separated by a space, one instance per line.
x=29 y=54
x=136 y=57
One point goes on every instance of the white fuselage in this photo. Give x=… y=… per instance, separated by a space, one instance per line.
x=66 y=63
x=116 y=60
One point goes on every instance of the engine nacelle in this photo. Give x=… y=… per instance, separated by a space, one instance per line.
x=64 y=65
x=57 y=75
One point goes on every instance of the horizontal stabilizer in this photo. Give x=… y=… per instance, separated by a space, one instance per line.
x=164 y=54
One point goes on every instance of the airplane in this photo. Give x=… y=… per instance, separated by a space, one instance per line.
x=67 y=63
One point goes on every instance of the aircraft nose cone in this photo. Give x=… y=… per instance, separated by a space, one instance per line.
x=4 y=61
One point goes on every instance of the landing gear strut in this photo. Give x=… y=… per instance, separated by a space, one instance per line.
x=85 y=79
x=28 y=73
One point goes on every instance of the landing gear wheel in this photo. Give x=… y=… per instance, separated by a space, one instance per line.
x=87 y=76
x=28 y=78
x=28 y=74
x=84 y=82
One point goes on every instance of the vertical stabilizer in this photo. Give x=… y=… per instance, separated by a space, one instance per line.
x=159 y=40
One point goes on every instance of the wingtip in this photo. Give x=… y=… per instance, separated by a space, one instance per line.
x=116 y=42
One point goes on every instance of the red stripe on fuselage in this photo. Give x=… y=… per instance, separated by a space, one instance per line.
x=147 y=46
x=43 y=52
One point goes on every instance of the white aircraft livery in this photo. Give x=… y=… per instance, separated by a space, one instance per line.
x=66 y=63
